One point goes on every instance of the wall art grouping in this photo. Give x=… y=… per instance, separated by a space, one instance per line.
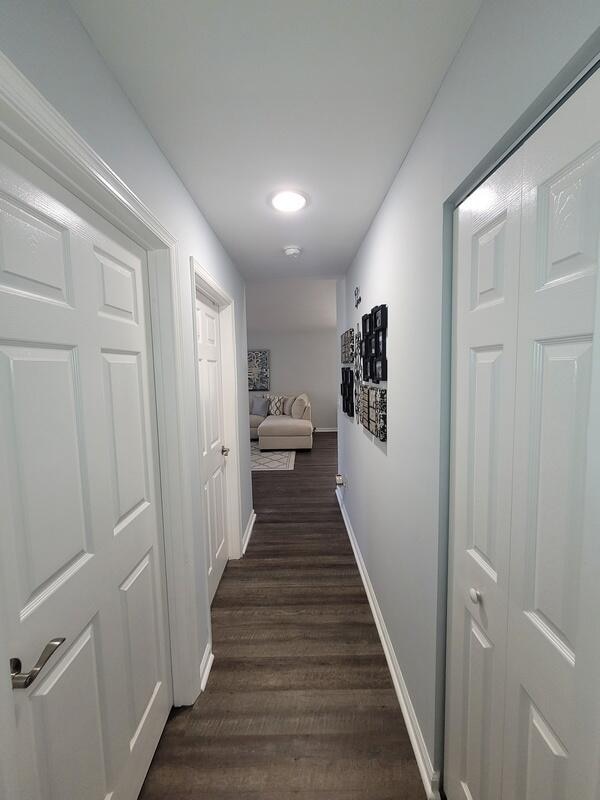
x=347 y=391
x=366 y=350
x=373 y=345
x=348 y=346
x=357 y=371
x=259 y=370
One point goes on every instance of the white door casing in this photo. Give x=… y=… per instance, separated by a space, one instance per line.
x=81 y=540
x=213 y=462
x=544 y=703
x=486 y=300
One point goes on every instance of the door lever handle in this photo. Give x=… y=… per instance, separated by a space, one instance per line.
x=224 y=451
x=22 y=680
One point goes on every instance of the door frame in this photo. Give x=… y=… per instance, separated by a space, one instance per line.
x=584 y=63
x=203 y=281
x=31 y=125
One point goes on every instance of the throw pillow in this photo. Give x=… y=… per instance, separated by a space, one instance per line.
x=276 y=405
x=287 y=405
x=260 y=406
x=299 y=407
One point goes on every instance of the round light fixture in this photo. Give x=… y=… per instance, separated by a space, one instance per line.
x=292 y=250
x=288 y=201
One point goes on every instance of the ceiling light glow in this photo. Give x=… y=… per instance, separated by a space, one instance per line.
x=288 y=201
x=292 y=250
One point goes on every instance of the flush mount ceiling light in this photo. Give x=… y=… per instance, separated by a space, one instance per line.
x=292 y=250
x=288 y=201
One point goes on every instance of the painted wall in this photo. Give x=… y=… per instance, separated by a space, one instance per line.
x=395 y=495
x=48 y=44
x=304 y=361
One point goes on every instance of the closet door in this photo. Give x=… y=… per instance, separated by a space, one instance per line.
x=485 y=321
x=550 y=665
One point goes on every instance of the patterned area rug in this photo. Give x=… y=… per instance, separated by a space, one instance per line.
x=271 y=459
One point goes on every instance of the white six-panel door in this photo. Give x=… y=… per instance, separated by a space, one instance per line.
x=560 y=252
x=212 y=459
x=80 y=542
x=523 y=722
x=487 y=287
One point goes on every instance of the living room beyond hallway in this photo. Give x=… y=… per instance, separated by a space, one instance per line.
x=293 y=363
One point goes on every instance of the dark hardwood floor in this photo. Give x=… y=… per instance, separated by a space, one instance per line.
x=299 y=703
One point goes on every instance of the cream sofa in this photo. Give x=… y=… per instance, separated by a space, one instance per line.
x=284 y=431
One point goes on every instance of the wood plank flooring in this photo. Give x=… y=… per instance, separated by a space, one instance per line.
x=299 y=703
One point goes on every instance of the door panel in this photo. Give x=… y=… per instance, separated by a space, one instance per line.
x=479 y=660
x=75 y=675
x=80 y=543
x=35 y=253
x=126 y=424
x=486 y=299
x=139 y=623
x=213 y=469
x=42 y=409
x=559 y=263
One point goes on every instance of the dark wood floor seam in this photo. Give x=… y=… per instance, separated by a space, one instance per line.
x=300 y=703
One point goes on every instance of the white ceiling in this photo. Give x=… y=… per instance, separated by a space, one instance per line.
x=249 y=96
x=290 y=304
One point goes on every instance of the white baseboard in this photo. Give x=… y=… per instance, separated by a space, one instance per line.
x=248 y=531
x=325 y=430
x=207 y=662
x=429 y=776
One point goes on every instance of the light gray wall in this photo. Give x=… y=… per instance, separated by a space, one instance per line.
x=396 y=494
x=47 y=43
x=305 y=361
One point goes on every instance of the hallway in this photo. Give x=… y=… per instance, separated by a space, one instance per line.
x=299 y=703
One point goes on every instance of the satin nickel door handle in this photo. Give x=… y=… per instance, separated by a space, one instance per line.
x=22 y=680
x=224 y=451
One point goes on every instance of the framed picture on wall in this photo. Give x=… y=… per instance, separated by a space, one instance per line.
x=380 y=369
x=367 y=325
x=372 y=369
x=259 y=370
x=372 y=345
x=372 y=410
x=379 y=317
x=364 y=406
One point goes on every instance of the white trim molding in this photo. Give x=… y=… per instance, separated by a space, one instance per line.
x=429 y=776
x=205 y=666
x=325 y=430
x=248 y=531
x=30 y=124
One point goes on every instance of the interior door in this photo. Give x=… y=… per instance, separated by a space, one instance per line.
x=523 y=706
x=557 y=330
x=80 y=543
x=212 y=451
x=486 y=305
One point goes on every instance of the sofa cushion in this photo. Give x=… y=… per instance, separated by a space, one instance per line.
x=287 y=405
x=255 y=420
x=299 y=406
x=276 y=405
x=285 y=426
x=260 y=406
